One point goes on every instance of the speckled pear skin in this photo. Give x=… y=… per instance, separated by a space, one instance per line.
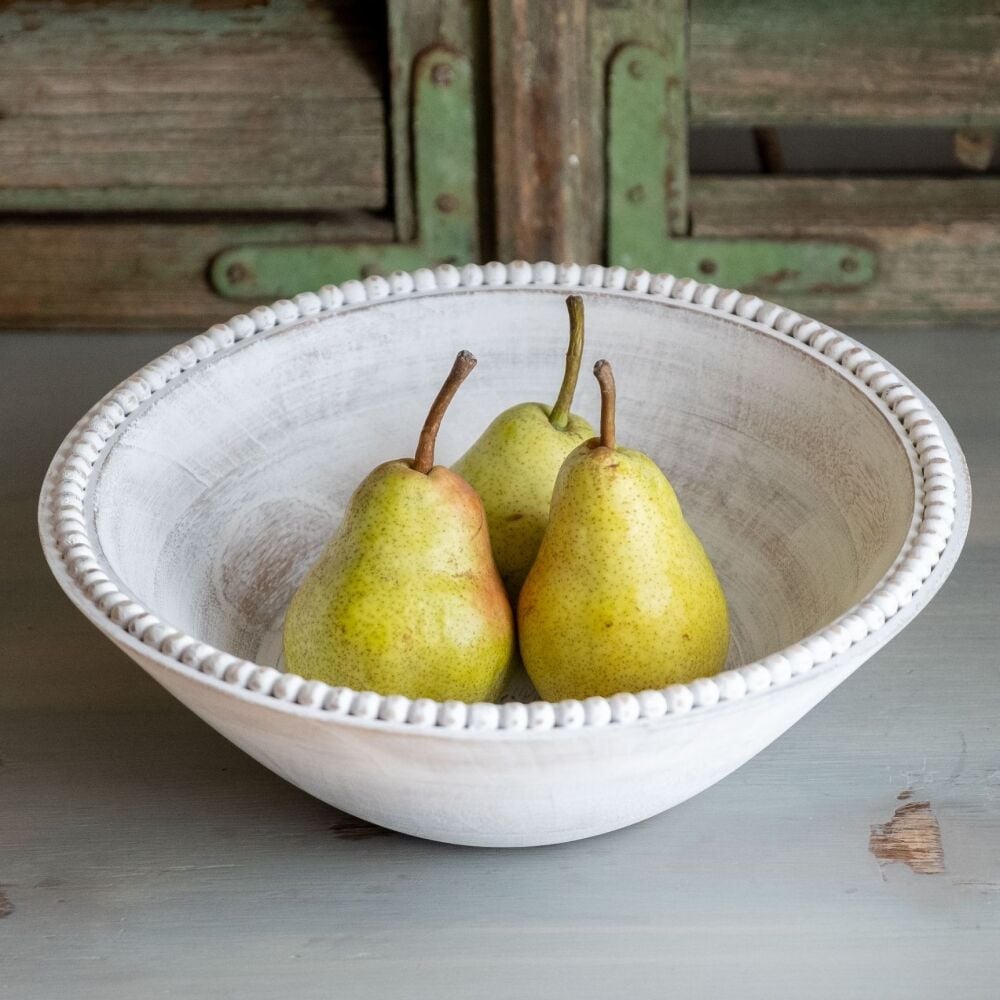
x=406 y=598
x=513 y=466
x=622 y=596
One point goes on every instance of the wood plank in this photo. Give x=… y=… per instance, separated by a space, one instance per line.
x=82 y=274
x=550 y=75
x=937 y=244
x=541 y=134
x=937 y=241
x=778 y=62
x=191 y=106
x=808 y=205
x=132 y=833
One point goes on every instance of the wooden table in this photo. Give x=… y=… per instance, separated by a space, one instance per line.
x=141 y=855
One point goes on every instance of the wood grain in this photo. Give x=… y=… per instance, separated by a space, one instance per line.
x=130 y=833
x=81 y=273
x=779 y=62
x=191 y=106
x=937 y=241
x=550 y=76
x=938 y=246
x=545 y=167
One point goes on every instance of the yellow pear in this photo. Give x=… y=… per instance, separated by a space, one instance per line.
x=514 y=464
x=622 y=596
x=406 y=598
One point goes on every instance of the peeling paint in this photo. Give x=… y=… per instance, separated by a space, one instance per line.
x=912 y=836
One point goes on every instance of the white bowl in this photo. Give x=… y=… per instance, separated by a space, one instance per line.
x=185 y=507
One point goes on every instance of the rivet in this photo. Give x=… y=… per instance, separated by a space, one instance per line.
x=446 y=203
x=442 y=74
x=237 y=273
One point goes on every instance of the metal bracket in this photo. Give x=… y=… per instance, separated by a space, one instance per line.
x=647 y=196
x=444 y=151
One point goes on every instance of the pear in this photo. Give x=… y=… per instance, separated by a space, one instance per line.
x=514 y=464
x=622 y=596
x=406 y=598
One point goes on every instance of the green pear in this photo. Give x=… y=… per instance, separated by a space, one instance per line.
x=622 y=596
x=406 y=598
x=514 y=464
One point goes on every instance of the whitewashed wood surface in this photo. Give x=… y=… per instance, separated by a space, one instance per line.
x=141 y=855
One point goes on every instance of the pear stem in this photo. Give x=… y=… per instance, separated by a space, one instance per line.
x=606 y=378
x=423 y=460
x=559 y=416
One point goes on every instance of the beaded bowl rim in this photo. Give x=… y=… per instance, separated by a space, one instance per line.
x=934 y=541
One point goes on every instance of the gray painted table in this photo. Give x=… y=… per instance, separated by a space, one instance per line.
x=141 y=855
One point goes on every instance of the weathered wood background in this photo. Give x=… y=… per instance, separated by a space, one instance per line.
x=138 y=140
x=192 y=107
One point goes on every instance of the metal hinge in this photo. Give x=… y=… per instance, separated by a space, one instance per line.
x=648 y=202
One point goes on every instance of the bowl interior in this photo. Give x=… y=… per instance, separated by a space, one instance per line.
x=213 y=500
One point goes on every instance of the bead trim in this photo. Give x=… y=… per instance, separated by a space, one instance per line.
x=934 y=516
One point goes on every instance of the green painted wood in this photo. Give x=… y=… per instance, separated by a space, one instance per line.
x=444 y=141
x=905 y=62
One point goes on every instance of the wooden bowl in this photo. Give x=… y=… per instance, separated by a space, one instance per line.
x=183 y=510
